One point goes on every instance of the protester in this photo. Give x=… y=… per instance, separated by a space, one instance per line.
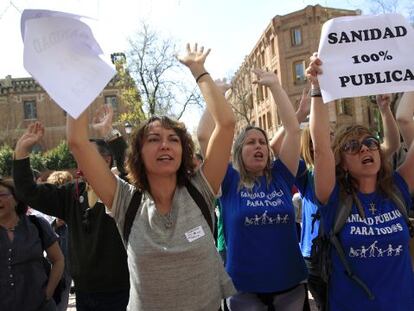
x=61 y=229
x=97 y=258
x=263 y=255
x=25 y=284
x=171 y=254
x=375 y=236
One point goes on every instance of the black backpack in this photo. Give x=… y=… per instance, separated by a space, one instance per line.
x=322 y=244
x=136 y=200
x=57 y=294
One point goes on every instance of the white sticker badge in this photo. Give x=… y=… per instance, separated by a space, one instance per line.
x=194 y=234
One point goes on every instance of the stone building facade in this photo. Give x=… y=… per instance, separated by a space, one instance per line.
x=23 y=101
x=285 y=47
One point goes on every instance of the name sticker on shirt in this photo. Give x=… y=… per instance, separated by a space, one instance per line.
x=194 y=234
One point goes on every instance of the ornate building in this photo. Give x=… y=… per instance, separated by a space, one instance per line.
x=23 y=101
x=285 y=47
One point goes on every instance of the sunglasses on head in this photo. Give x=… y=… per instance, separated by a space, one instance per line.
x=354 y=146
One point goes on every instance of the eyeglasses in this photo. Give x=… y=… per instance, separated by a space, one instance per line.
x=86 y=223
x=353 y=146
x=4 y=194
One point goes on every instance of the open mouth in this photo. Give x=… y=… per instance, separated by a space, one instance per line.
x=258 y=155
x=164 y=158
x=367 y=160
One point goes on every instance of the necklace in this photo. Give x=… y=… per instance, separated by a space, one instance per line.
x=372 y=208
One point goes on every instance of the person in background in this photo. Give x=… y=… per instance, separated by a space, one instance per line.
x=97 y=257
x=61 y=229
x=25 y=284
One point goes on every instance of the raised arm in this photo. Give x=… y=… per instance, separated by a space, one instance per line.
x=91 y=163
x=219 y=145
x=324 y=167
x=290 y=147
x=301 y=113
x=405 y=121
x=391 y=134
x=102 y=123
x=404 y=117
x=206 y=124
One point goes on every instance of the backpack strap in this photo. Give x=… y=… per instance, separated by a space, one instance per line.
x=201 y=203
x=136 y=200
x=344 y=210
x=130 y=214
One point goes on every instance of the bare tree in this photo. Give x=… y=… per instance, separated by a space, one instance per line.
x=241 y=96
x=153 y=65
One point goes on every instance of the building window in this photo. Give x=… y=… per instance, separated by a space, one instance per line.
x=113 y=101
x=299 y=72
x=272 y=46
x=269 y=120
x=30 y=111
x=296 y=36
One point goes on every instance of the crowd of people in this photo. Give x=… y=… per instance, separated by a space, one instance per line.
x=181 y=229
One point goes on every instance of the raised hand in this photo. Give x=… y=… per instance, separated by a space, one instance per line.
x=265 y=78
x=194 y=59
x=314 y=69
x=383 y=101
x=31 y=137
x=102 y=120
x=304 y=106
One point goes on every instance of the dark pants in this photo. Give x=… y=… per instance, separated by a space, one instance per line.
x=316 y=286
x=102 y=301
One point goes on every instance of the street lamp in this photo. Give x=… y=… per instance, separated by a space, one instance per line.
x=128 y=128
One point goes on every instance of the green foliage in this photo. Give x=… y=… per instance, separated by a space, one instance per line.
x=6 y=158
x=58 y=158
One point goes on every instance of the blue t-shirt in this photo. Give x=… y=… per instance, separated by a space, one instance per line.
x=377 y=250
x=263 y=253
x=310 y=226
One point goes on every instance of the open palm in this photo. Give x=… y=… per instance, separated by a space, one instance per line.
x=194 y=56
x=31 y=137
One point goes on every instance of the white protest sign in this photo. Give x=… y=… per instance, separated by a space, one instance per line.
x=366 y=55
x=61 y=53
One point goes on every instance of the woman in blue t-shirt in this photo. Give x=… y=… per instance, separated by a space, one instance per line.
x=263 y=255
x=375 y=236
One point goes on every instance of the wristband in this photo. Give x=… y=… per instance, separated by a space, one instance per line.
x=202 y=75
x=315 y=92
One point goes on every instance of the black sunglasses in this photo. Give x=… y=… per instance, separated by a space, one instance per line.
x=86 y=223
x=353 y=146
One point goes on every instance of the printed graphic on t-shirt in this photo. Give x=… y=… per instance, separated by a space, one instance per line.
x=374 y=251
x=269 y=201
x=264 y=219
x=375 y=222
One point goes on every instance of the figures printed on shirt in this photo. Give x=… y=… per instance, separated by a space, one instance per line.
x=374 y=251
x=264 y=219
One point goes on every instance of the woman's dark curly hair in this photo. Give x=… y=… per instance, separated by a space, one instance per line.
x=137 y=174
x=21 y=208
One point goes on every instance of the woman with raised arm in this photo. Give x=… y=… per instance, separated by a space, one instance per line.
x=263 y=255
x=171 y=253
x=374 y=271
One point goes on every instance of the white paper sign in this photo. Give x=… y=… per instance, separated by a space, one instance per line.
x=194 y=234
x=366 y=55
x=61 y=53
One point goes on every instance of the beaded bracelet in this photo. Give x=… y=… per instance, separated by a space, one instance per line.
x=315 y=92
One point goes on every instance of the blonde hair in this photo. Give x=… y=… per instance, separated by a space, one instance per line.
x=306 y=148
x=59 y=178
x=247 y=179
x=348 y=182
